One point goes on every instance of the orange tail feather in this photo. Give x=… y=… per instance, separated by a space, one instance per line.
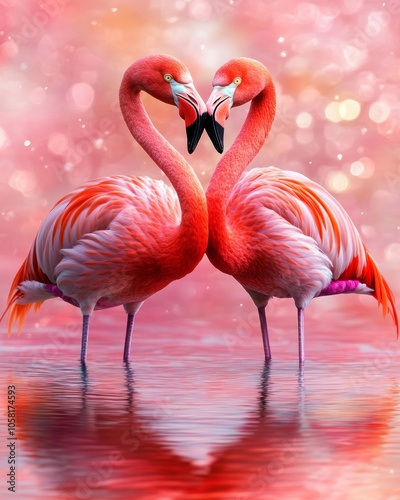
x=382 y=292
x=372 y=277
x=18 y=312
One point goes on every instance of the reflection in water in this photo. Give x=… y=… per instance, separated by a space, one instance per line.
x=129 y=385
x=105 y=433
x=84 y=378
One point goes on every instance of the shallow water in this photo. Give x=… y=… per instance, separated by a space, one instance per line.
x=197 y=414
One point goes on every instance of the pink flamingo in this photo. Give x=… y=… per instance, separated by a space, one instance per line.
x=118 y=240
x=278 y=233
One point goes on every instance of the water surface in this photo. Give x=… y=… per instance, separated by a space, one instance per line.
x=197 y=416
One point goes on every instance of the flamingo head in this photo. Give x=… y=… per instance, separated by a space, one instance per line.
x=168 y=80
x=238 y=81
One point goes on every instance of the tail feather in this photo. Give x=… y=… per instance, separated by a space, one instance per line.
x=382 y=292
x=372 y=277
x=29 y=270
x=18 y=313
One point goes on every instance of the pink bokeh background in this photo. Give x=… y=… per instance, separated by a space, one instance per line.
x=337 y=71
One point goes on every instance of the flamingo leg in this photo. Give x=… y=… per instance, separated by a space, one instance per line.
x=300 y=329
x=128 y=336
x=264 y=332
x=85 y=335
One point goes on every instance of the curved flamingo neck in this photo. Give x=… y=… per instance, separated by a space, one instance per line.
x=229 y=169
x=194 y=224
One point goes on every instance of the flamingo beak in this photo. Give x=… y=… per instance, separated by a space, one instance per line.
x=218 y=106
x=193 y=110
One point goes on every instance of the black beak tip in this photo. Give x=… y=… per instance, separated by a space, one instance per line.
x=190 y=147
x=194 y=132
x=216 y=133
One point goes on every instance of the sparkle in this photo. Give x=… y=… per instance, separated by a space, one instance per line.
x=338 y=181
x=114 y=9
x=27 y=143
x=363 y=167
x=349 y=109
x=357 y=168
x=281 y=39
x=379 y=111
x=332 y=112
x=304 y=120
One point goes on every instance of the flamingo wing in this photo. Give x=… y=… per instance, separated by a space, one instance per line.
x=313 y=213
x=89 y=233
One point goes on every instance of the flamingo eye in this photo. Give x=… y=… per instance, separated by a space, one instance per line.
x=237 y=80
x=167 y=77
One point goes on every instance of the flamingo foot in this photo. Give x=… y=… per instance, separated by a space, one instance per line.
x=264 y=332
x=85 y=335
x=300 y=329
x=128 y=337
